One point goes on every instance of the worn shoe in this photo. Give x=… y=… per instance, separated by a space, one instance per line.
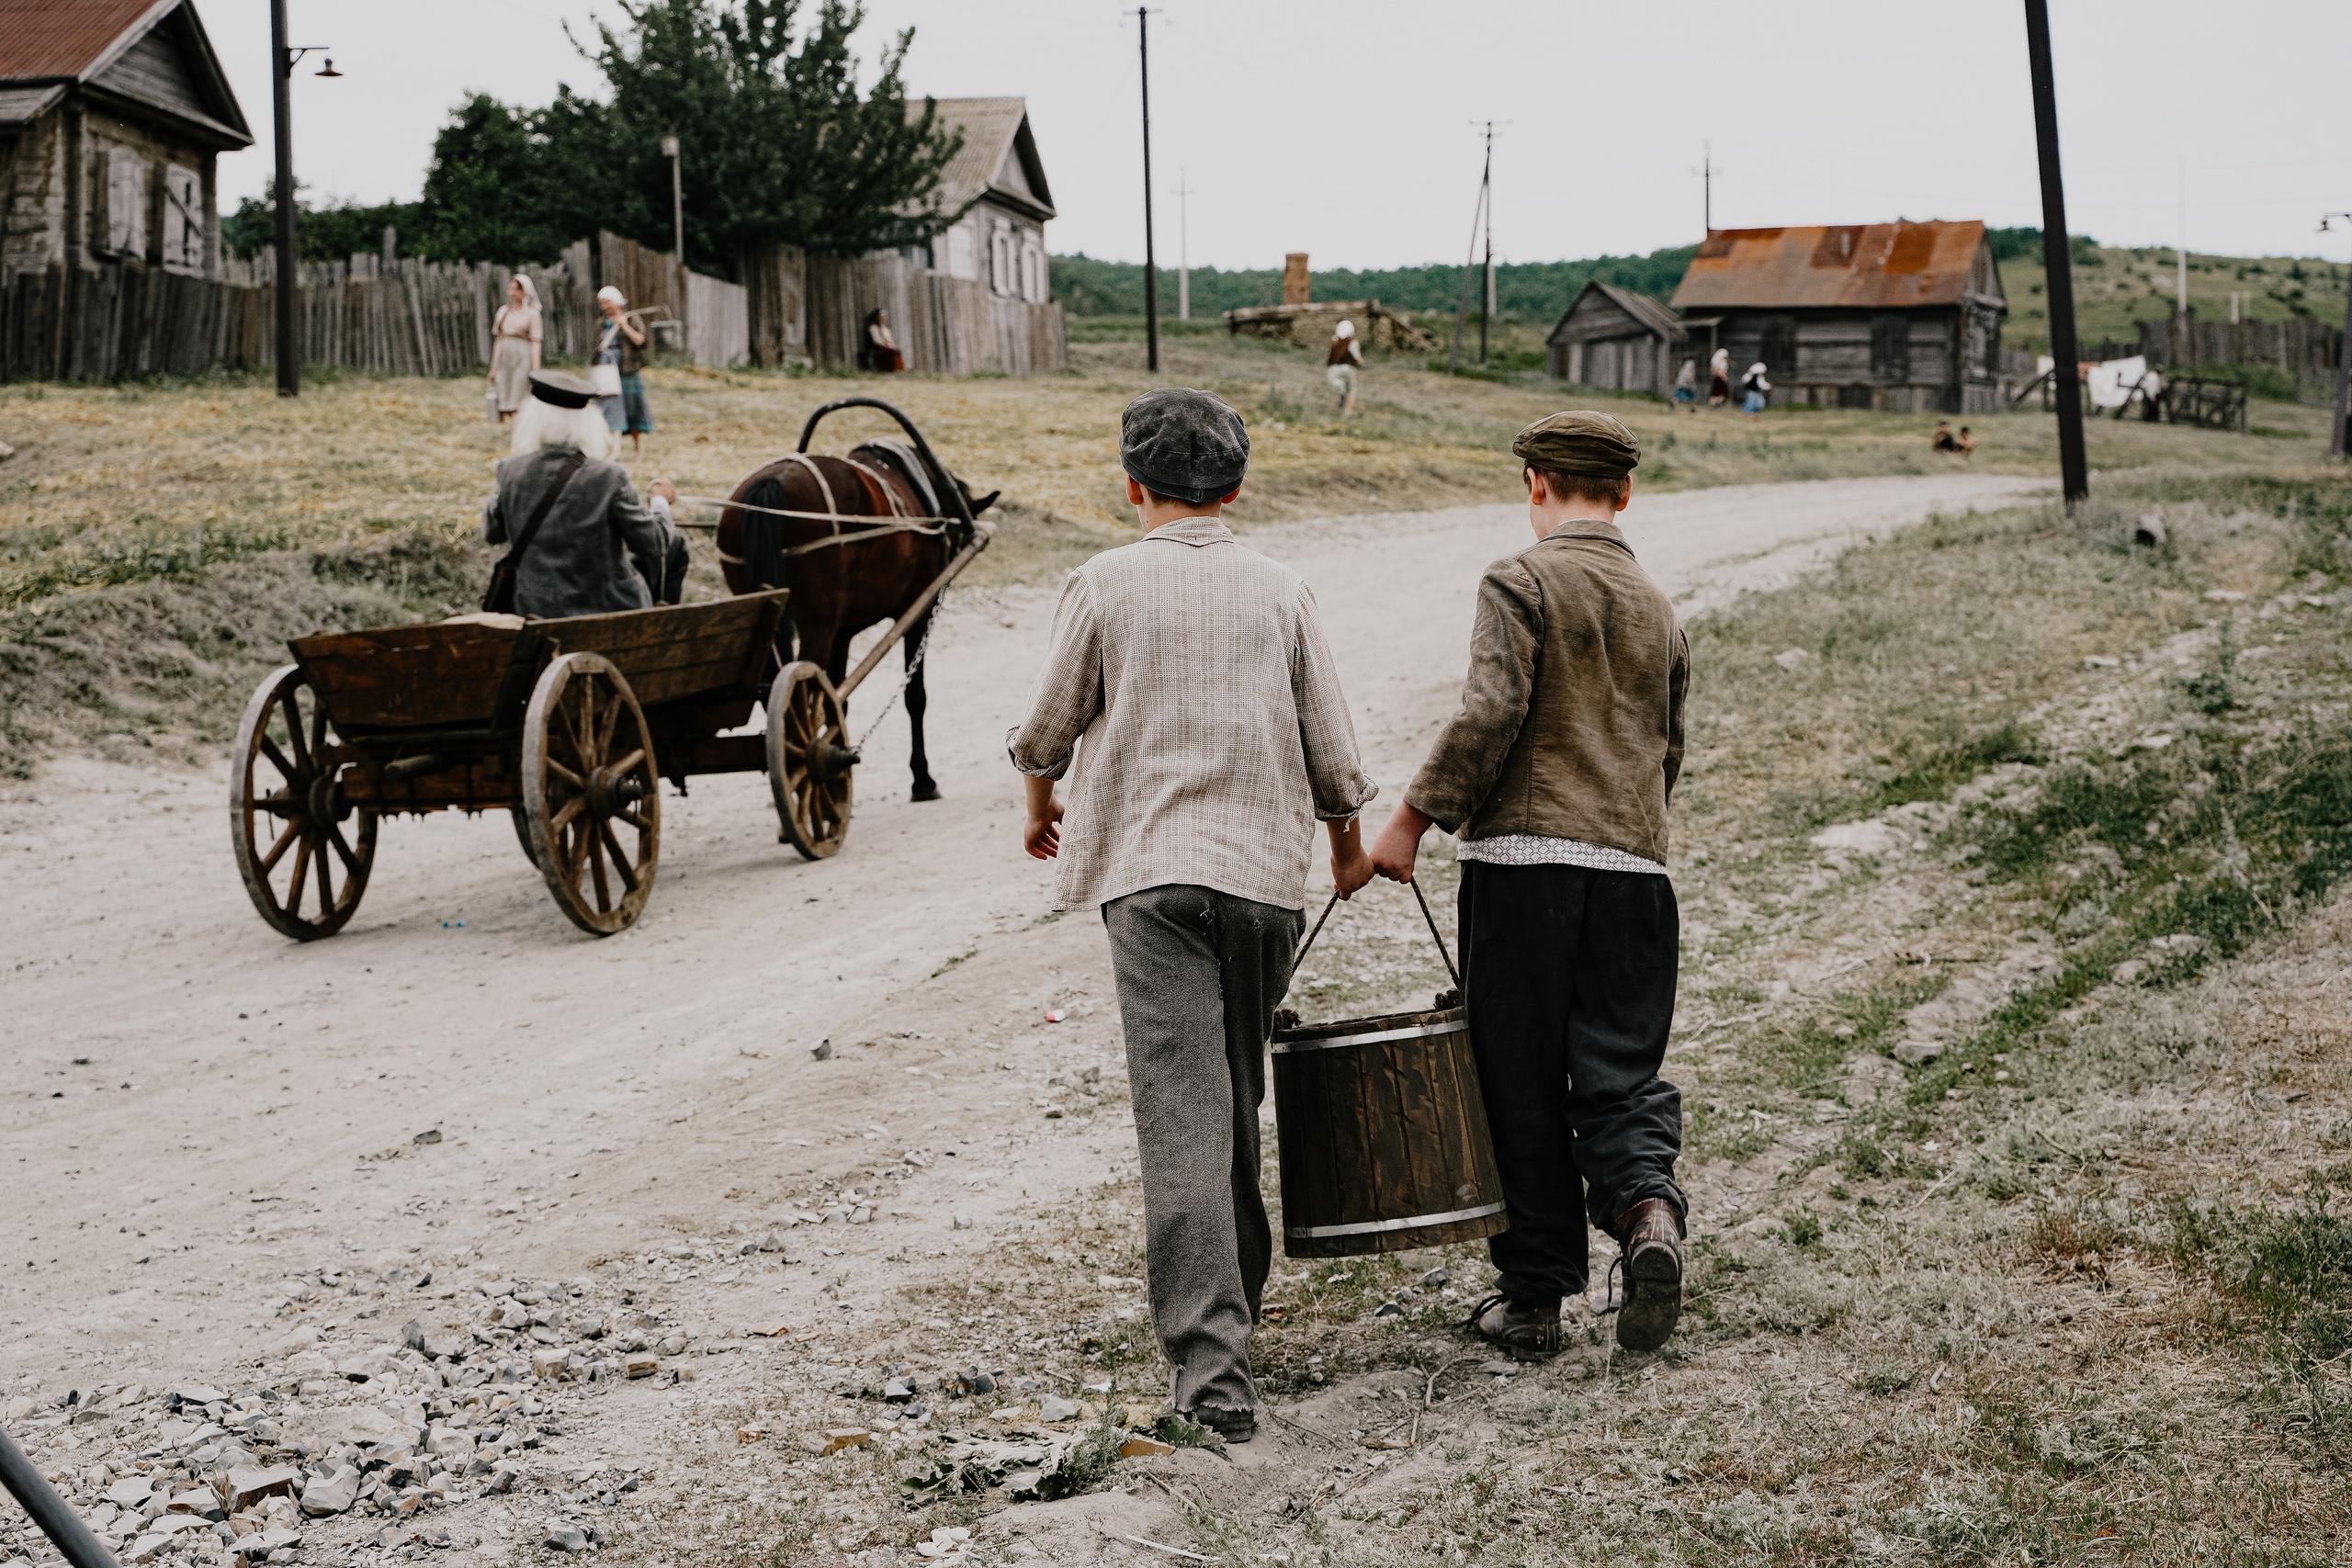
x=1233 y=1426
x=1649 y=1238
x=1523 y=1330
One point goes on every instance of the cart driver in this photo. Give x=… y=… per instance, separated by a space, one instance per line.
x=596 y=547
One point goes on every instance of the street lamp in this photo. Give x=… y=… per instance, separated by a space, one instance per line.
x=289 y=275
x=677 y=200
x=2338 y=436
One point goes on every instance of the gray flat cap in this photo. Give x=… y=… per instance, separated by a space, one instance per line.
x=1185 y=445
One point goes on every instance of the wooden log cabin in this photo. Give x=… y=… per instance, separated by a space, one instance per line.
x=1616 y=340
x=112 y=116
x=1903 y=317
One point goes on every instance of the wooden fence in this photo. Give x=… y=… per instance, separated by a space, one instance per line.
x=118 y=322
x=2307 y=350
x=948 y=324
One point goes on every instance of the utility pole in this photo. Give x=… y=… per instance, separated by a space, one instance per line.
x=2339 y=441
x=1487 y=299
x=677 y=199
x=1150 y=260
x=2074 y=463
x=1706 y=173
x=289 y=273
x=1477 y=218
x=2180 y=250
x=1184 y=245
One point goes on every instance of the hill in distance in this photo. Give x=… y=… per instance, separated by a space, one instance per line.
x=2114 y=287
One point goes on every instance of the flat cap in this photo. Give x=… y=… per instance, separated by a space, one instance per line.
x=563 y=388
x=1185 y=445
x=1579 y=442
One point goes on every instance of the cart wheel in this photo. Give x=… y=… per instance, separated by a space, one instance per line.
x=286 y=817
x=522 y=820
x=590 y=791
x=809 y=761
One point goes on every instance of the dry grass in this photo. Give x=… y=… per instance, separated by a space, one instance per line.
x=2080 y=1292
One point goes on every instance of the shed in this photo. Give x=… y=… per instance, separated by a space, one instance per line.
x=997 y=183
x=1900 y=316
x=1615 y=340
x=112 y=116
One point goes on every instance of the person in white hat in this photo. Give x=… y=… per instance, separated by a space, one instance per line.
x=1341 y=364
x=618 y=370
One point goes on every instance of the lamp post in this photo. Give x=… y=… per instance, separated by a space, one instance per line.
x=2339 y=440
x=677 y=199
x=289 y=272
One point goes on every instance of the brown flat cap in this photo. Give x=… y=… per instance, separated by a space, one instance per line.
x=1579 y=442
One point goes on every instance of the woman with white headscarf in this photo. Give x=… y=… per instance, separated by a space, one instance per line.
x=1753 y=388
x=517 y=335
x=1342 y=364
x=617 y=367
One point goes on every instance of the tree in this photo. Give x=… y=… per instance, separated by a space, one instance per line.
x=779 y=144
x=321 y=233
x=493 y=191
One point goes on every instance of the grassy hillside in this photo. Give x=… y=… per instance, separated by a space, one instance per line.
x=2116 y=286
x=1523 y=290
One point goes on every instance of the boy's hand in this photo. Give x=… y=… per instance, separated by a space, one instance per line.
x=663 y=488
x=1399 y=844
x=1350 y=867
x=1041 y=837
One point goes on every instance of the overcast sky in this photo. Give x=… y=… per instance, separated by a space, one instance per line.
x=1343 y=128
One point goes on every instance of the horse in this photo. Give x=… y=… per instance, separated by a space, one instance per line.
x=838 y=591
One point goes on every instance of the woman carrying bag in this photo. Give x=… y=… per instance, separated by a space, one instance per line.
x=617 y=369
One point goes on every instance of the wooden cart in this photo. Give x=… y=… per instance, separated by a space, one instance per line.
x=569 y=724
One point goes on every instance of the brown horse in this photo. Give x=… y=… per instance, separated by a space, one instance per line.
x=838 y=591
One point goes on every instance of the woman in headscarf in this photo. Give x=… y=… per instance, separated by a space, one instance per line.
x=596 y=548
x=620 y=344
x=880 y=349
x=1719 y=378
x=1342 y=364
x=1686 y=385
x=1752 y=388
x=517 y=333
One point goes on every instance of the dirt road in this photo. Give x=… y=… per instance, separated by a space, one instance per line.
x=191 y=1096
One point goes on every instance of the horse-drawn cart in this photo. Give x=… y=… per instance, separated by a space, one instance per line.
x=569 y=724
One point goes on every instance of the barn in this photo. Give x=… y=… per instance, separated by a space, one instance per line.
x=1900 y=316
x=1616 y=340
x=112 y=116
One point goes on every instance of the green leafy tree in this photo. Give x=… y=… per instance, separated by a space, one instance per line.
x=494 y=193
x=779 y=143
x=320 y=233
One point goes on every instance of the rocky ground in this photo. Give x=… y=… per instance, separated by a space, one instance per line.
x=2007 y=937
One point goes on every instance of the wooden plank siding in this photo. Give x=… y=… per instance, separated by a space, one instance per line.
x=950 y=325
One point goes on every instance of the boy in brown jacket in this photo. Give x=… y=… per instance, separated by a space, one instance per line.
x=1554 y=774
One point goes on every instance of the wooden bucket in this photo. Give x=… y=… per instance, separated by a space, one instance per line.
x=1382 y=1131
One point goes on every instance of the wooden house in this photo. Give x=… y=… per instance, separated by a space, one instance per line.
x=1001 y=239
x=112 y=115
x=1616 y=340
x=1899 y=316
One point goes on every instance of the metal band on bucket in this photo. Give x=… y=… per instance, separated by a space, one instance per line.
x=1411 y=1031
x=1375 y=1227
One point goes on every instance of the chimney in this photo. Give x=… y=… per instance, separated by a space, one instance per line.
x=1294 y=284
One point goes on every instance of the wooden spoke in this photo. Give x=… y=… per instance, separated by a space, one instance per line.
x=278 y=759
x=581 y=712
x=286 y=838
x=302 y=870
x=325 y=864
x=280 y=806
x=342 y=848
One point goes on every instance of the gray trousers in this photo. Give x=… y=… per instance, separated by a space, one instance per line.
x=1200 y=972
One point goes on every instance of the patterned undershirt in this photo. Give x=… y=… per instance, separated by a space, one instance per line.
x=1535 y=849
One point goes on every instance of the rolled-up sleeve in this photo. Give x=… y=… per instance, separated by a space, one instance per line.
x=1469 y=754
x=1070 y=689
x=1335 y=774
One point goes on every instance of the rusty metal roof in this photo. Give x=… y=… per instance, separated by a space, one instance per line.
x=69 y=39
x=1864 y=265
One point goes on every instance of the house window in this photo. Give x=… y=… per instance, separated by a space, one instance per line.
x=1000 y=255
x=963 y=259
x=184 y=236
x=124 y=211
x=1033 y=269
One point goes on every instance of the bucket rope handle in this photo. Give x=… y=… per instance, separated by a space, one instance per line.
x=1428 y=918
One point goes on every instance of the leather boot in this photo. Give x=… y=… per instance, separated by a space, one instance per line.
x=1525 y=1331
x=1649 y=1240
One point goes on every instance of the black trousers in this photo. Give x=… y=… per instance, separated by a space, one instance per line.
x=1569 y=976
